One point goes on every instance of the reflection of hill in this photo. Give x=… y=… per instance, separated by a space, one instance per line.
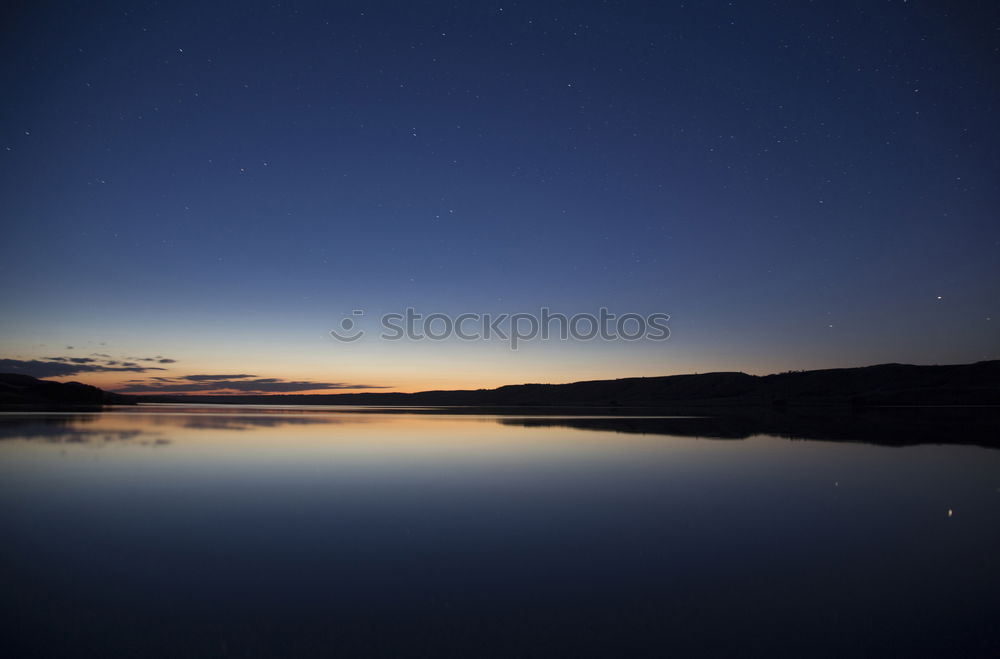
x=83 y=428
x=67 y=429
x=890 y=426
x=887 y=426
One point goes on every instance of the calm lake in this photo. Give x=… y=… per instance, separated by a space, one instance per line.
x=175 y=531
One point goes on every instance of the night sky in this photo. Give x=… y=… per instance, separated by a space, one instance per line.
x=199 y=190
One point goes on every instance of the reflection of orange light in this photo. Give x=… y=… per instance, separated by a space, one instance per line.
x=150 y=437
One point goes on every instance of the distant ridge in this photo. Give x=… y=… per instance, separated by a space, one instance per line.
x=884 y=384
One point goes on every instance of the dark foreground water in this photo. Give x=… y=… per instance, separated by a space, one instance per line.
x=175 y=532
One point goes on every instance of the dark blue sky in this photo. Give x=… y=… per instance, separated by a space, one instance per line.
x=798 y=184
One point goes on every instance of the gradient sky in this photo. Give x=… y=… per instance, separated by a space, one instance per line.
x=208 y=188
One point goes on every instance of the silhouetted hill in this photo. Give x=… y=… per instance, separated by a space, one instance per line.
x=886 y=384
x=23 y=390
x=887 y=426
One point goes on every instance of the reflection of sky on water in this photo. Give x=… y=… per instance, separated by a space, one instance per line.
x=301 y=531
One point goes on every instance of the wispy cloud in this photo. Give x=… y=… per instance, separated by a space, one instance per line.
x=238 y=383
x=50 y=367
x=159 y=359
x=243 y=383
x=74 y=360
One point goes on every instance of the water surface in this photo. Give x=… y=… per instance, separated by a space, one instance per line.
x=172 y=531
